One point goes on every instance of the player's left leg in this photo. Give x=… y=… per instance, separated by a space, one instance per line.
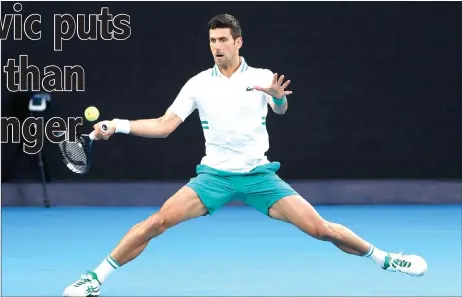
x=297 y=211
x=268 y=193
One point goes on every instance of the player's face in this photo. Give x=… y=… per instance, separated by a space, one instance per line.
x=224 y=48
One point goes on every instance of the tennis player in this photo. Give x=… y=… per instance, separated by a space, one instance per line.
x=232 y=99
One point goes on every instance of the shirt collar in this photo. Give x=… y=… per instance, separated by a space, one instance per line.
x=242 y=68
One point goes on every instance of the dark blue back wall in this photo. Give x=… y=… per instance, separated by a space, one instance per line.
x=377 y=87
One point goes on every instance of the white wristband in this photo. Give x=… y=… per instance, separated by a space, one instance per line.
x=122 y=126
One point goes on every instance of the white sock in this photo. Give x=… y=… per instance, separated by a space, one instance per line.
x=105 y=268
x=376 y=255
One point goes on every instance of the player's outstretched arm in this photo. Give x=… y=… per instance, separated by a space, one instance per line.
x=155 y=128
x=149 y=128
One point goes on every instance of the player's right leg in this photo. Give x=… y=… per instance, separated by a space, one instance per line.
x=182 y=206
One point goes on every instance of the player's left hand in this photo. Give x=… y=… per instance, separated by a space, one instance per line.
x=276 y=89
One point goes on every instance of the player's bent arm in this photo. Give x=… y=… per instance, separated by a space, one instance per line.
x=279 y=106
x=150 y=128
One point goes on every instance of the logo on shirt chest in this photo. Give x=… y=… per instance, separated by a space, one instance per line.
x=248 y=89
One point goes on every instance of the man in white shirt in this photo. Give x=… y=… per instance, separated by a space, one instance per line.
x=232 y=99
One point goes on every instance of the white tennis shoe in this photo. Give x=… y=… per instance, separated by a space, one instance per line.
x=409 y=264
x=87 y=286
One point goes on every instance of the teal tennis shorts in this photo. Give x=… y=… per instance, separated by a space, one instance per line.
x=259 y=188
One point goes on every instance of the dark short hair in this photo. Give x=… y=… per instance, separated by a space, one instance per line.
x=226 y=21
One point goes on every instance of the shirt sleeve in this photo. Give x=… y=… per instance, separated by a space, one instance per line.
x=185 y=103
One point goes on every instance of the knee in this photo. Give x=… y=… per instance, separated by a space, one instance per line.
x=158 y=223
x=321 y=230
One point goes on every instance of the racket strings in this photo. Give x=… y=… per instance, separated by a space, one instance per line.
x=75 y=154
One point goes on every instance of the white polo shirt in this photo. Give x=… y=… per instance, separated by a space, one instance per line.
x=233 y=117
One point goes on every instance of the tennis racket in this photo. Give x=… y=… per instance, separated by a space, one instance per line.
x=77 y=154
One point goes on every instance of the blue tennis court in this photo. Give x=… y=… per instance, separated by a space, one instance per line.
x=236 y=252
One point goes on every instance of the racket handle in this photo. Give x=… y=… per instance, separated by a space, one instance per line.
x=92 y=134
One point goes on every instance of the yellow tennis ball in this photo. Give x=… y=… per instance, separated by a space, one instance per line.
x=91 y=113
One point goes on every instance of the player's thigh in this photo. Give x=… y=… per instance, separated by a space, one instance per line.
x=262 y=191
x=296 y=210
x=213 y=190
x=183 y=205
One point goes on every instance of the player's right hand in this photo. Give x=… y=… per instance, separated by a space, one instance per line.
x=100 y=134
